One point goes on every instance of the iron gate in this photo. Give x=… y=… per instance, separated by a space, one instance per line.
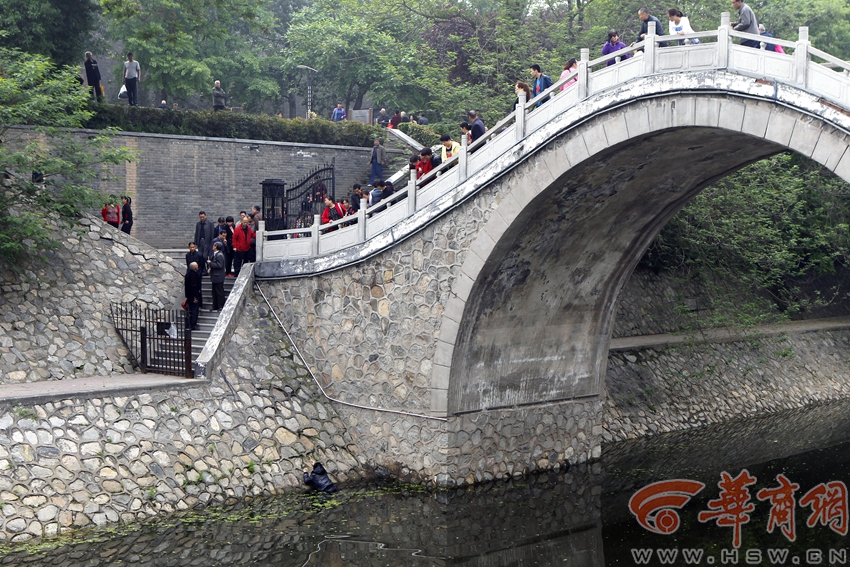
x=293 y=207
x=158 y=339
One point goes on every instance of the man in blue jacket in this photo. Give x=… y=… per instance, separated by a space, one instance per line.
x=540 y=84
x=645 y=18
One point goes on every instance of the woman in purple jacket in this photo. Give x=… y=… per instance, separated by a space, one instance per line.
x=612 y=45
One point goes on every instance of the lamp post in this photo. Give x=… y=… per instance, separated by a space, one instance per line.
x=309 y=87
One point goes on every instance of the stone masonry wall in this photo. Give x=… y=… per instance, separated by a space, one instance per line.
x=658 y=390
x=78 y=462
x=55 y=317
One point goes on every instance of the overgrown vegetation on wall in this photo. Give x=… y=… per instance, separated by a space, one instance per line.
x=47 y=177
x=770 y=227
x=231 y=125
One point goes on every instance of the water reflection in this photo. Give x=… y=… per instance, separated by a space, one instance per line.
x=544 y=520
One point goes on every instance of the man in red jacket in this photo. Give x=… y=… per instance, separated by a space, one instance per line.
x=243 y=235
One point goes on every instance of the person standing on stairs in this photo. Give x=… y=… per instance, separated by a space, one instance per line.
x=192 y=286
x=217 y=275
x=204 y=234
x=242 y=236
x=194 y=256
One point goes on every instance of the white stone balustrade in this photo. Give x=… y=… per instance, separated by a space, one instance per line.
x=716 y=50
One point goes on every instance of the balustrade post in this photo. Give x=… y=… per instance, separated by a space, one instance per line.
x=724 y=40
x=314 y=235
x=583 y=74
x=520 y=117
x=261 y=239
x=361 y=220
x=801 y=56
x=462 y=158
x=411 y=193
x=649 y=50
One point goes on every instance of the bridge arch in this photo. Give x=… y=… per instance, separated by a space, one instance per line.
x=530 y=314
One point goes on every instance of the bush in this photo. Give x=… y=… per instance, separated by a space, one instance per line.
x=231 y=125
x=421 y=134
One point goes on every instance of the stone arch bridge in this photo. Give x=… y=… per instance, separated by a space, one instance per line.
x=484 y=297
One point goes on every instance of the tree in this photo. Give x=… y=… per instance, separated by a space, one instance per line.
x=182 y=44
x=54 y=28
x=353 y=54
x=768 y=226
x=48 y=177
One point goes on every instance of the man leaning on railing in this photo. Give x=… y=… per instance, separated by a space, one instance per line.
x=746 y=23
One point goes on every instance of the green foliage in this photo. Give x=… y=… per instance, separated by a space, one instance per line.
x=49 y=172
x=353 y=55
x=182 y=45
x=231 y=125
x=421 y=134
x=54 y=28
x=765 y=227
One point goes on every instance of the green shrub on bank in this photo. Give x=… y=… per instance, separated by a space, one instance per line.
x=421 y=134
x=231 y=125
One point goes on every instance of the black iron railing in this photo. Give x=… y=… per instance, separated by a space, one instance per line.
x=293 y=207
x=158 y=339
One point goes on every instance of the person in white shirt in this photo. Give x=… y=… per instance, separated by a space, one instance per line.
x=680 y=25
x=132 y=76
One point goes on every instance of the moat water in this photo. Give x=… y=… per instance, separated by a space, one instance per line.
x=578 y=517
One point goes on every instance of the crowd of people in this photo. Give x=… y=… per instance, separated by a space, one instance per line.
x=679 y=24
x=218 y=251
x=118 y=217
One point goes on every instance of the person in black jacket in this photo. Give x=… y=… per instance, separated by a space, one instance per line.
x=126 y=215
x=645 y=18
x=217 y=274
x=319 y=480
x=192 y=286
x=93 y=76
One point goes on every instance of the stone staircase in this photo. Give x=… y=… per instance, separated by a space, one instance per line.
x=207 y=320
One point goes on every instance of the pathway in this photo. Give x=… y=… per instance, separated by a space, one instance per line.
x=38 y=392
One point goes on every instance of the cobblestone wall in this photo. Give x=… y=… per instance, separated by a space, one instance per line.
x=55 y=315
x=654 y=391
x=91 y=461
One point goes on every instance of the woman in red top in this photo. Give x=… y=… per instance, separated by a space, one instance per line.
x=111 y=214
x=333 y=211
x=427 y=162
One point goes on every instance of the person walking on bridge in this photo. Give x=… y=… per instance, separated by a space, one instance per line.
x=216 y=266
x=476 y=127
x=614 y=45
x=646 y=18
x=746 y=23
x=242 y=237
x=540 y=84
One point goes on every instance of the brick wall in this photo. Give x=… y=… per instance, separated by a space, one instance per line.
x=175 y=177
